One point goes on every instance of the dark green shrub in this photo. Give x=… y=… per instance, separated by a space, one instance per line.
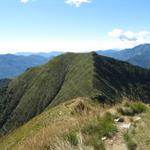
x=101 y=126
x=130 y=109
x=97 y=129
x=138 y=107
x=126 y=111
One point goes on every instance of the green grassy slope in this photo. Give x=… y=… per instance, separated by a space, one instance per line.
x=70 y=76
x=4 y=83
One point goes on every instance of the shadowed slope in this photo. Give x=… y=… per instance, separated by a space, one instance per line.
x=116 y=79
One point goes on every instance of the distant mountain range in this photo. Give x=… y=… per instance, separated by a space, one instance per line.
x=47 y=55
x=13 y=65
x=139 y=55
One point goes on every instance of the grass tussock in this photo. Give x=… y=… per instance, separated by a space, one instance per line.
x=130 y=143
x=98 y=128
x=139 y=133
x=72 y=138
x=101 y=126
x=132 y=108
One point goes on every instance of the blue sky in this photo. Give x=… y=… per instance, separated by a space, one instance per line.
x=72 y=25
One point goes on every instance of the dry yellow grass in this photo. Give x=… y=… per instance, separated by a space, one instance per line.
x=49 y=134
x=46 y=131
x=52 y=124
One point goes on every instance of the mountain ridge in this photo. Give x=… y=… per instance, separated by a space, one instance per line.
x=138 y=55
x=69 y=76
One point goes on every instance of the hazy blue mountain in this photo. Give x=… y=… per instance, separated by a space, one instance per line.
x=12 y=65
x=110 y=53
x=133 y=52
x=140 y=60
x=139 y=55
x=47 y=55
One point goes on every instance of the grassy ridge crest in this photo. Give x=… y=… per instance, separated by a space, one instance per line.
x=67 y=77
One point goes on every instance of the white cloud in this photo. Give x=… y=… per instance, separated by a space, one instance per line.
x=24 y=1
x=112 y=41
x=77 y=3
x=126 y=39
x=129 y=35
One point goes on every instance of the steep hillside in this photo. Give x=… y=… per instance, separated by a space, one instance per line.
x=12 y=65
x=70 y=76
x=139 y=55
x=4 y=83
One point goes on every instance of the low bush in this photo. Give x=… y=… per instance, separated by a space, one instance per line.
x=127 y=111
x=101 y=126
x=138 y=107
x=98 y=128
x=130 y=109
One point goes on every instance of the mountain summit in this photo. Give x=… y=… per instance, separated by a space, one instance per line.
x=66 y=77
